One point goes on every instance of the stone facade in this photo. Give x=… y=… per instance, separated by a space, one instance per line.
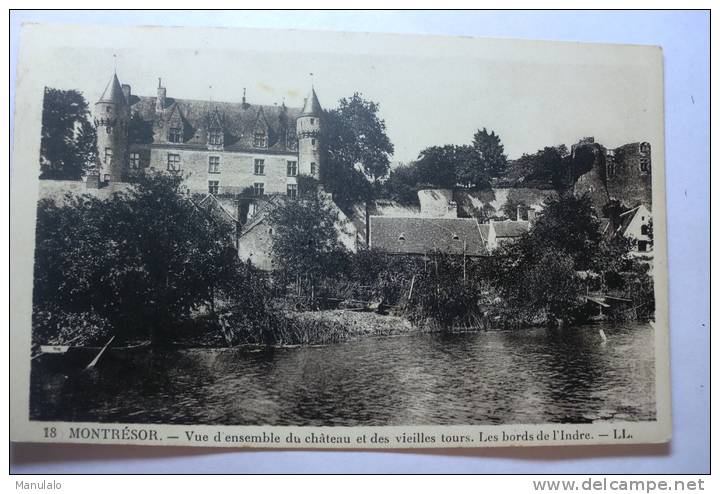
x=623 y=174
x=218 y=147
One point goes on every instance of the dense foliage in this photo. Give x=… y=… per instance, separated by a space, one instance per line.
x=448 y=167
x=357 y=149
x=145 y=259
x=305 y=240
x=67 y=145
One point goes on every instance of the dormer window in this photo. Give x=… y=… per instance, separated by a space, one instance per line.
x=175 y=134
x=215 y=138
x=455 y=236
x=401 y=237
x=260 y=139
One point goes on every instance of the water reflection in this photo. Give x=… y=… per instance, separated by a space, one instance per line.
x=529 y=376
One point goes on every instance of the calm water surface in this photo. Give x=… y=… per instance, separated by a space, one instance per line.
x=526 y=376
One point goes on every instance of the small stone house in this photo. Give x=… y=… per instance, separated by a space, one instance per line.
x=501 y=232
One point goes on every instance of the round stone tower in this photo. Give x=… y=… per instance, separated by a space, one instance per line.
x=112 y=113
x=309 y=133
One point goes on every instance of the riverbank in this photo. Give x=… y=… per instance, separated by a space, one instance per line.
x=332 y=326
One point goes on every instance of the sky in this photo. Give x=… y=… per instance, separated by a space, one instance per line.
x=431 y=90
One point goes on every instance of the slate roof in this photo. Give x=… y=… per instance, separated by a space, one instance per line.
x=312 y=105
x=484 y=232
x=113 y=92
x=510 y=229
x=419 y=235
x=266 y=205
x=210 y=202
x=237 y=120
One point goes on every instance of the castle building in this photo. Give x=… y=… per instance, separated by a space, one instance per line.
x=623 y=174
x=218 y=147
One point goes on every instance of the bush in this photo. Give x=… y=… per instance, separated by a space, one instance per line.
x=53 y=326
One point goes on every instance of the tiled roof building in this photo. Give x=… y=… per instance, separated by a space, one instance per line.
x=423 y=235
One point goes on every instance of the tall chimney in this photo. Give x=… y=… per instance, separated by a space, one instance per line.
x=519 y=212
x=161 y=94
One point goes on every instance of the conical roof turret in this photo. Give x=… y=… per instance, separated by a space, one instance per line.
x=113 y=92
x=312 y=106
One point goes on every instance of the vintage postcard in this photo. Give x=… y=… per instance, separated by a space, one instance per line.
x=288 y=239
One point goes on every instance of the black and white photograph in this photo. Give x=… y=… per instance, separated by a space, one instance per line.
x=248 y=228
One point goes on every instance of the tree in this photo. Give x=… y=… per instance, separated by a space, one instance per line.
x=552 y=285
x=305 y=242
x=68 y=142
x=569 y=224
x=401 y=184
x=490 y=151
x=357 y=149
x=549 y=166
x=144 y=259
x=437 y=166
x=356 y=136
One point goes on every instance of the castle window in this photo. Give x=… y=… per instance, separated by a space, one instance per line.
x=644 y=229
x=312 y=141
x=108 y=109
x=108 y=155
x=213 y=186
x=134 y=161
x=292 y=190
x=259 y=167
x=175 y=134
x=173 y=162
x=215 y=138
x=292 y=168
x=260 y=139
x=644 y=164
x=611 y=169
x=259 y=188
x=313 y=168
x=312 y=121
x=214 y=164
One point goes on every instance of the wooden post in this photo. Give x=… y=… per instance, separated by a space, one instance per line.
x=412 y=284
x=464 y=257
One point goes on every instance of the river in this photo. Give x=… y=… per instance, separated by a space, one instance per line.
x=527 y=376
